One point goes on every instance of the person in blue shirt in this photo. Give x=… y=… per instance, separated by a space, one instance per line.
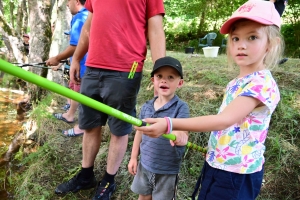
x=80 y=14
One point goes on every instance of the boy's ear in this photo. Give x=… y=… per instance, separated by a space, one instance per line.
x=152 y=79
x=180 y=83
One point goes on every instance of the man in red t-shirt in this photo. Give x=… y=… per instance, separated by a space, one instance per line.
x=115 y=35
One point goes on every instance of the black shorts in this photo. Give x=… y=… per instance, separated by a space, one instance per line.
x=111 y=88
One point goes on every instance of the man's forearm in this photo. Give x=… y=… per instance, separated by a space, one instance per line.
x=156 y=37
x=67 y=53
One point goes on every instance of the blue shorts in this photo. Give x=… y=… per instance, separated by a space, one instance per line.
x=217 y=184
x=111 y=88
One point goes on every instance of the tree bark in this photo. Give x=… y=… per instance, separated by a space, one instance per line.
x=202 y=25
x=11 y=10
x=24 y=19
x=62 y=18
x=19 y=18
x=1 y=6
x=11 y=40
x=40 y=40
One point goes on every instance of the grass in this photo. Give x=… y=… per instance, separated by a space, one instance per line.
x=52 y=158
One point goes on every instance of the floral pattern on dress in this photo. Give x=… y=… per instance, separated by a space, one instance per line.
x=240 y=147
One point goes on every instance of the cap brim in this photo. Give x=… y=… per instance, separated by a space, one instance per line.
x=227 y=25
x=153 y=71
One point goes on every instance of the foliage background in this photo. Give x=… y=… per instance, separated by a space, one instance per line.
x=187 y=21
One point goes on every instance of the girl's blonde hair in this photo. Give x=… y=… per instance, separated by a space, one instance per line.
x=275 y=42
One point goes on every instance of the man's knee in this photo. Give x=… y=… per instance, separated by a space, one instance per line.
x=93 y=131
x=121 y=141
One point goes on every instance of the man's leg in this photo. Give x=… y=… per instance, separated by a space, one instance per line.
x=120 y=93
x=116 y=152
x=75 y=130
x=145 y=197
x=92 y=121
x=85 y=179
x=90 y=146
x=70 y=114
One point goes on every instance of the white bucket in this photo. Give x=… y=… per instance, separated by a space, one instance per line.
x=210 y=51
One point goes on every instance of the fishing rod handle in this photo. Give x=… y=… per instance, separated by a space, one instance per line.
x=189 y=144
x=64 y=61
x=44 y=63
x=196 y=147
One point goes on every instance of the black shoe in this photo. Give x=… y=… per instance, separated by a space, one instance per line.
x=75 y=184
x=104 y=190
x=282 y=61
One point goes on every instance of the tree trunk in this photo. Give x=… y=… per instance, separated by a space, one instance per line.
x=62 y=17
x=202 y=25
x=19 y=20
x=1 y=6
x=40 y=40
x=11 y=10
x=24 y=19
x=11 y=41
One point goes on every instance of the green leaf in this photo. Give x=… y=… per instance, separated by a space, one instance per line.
x=213 y=142
x=256 y=127
x=233 y=143
x=231 y=133
x=229 y=99
x=233 y=161
x=254 y=166
x=251 y=144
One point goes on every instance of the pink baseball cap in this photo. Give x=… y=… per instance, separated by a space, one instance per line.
x=263 y=12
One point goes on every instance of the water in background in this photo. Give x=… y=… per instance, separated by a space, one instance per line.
x=9 y=126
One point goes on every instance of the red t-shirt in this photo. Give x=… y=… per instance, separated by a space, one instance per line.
x=118 y=34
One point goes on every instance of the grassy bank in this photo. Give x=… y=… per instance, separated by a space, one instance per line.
x=54 y=158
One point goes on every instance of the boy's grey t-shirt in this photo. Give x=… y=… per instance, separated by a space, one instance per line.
x=157 y=154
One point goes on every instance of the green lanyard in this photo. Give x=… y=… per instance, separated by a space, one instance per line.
x=133 y=69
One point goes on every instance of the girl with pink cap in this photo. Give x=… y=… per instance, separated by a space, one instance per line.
x=234 y=162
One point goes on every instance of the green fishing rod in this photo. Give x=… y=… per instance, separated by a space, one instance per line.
x=66 y=92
